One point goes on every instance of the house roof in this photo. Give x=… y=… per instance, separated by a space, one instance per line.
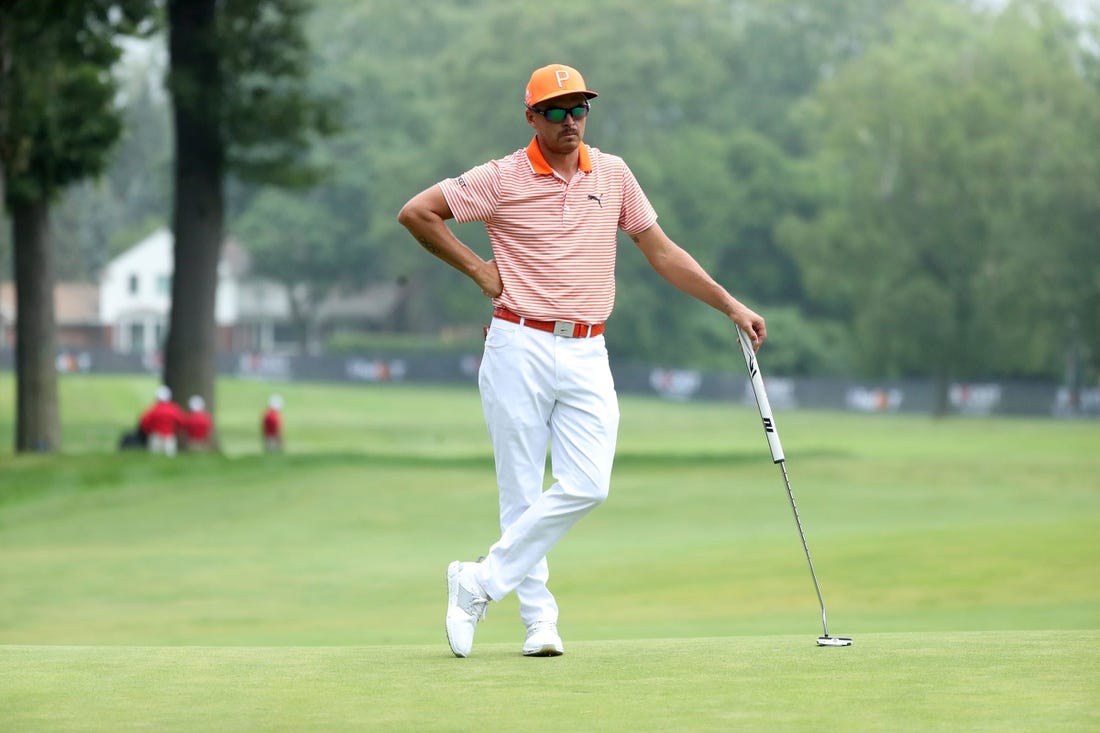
x=74 y=303
x=373 y=303
x=234 y=257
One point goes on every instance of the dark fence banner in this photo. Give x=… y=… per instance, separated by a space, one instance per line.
x=976 y=398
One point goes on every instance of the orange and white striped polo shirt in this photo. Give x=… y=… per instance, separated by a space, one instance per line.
x=553 y=240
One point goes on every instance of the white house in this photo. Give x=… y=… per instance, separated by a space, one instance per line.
x=135 y=292
x=135 y=296
x=252 y=314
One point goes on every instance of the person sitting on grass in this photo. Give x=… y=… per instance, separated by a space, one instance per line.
x=161 y=422
x=198 y=428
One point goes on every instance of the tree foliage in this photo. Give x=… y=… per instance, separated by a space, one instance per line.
x=97 y=218
x=57 y=114
x=907 y=177
x=783 y=143
x=241 y=105
x=681 y=102
x=959 y=182
x=57 y=123
x=297 y=242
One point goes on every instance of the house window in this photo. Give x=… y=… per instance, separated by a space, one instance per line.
x=164 y=285
x=133 y=285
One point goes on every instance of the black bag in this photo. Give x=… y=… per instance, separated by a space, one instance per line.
x=133 y=439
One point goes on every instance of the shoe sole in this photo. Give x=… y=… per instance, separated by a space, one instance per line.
x=546 y=651
x=452 y=599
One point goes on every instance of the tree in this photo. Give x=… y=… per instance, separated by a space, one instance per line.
x=57 y=124
x=98 y=218
x=1051 y=268
x=240 y=105
x=299 y=243
x=937 y=163
x=697 y=104
x=705 y=105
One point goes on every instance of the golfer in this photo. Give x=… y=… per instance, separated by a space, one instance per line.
x=552 y=211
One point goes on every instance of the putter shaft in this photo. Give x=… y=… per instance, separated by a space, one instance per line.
x=772 y=434
x=805 y=547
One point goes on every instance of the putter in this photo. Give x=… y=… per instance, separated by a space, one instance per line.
x=776 y=447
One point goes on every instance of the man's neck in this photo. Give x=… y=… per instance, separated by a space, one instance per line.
x=565 y=165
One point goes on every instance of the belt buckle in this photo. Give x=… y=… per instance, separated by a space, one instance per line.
x=564 y=328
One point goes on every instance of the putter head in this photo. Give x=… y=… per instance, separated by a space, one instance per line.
x=834 y=641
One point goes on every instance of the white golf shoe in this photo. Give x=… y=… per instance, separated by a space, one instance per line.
x=543 y=640
x=467 y=603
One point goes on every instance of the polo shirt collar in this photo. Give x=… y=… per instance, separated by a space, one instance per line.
x=540 y=166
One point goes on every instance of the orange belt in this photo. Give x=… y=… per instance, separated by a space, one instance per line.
x=568 y=329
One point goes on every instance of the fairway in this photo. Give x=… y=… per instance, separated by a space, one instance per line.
x=245 y=592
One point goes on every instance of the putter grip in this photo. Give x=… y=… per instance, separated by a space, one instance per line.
x=770 y=431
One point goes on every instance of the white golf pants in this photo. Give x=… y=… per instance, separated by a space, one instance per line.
x=539 y=390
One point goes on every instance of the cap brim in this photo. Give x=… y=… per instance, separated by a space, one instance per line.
x=587 y=95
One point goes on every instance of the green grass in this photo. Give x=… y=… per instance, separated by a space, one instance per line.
x=887 y=682
x=246 y=592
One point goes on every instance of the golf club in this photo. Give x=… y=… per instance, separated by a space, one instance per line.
x=776 y=447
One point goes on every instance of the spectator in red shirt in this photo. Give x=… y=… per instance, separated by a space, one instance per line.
x=162 y=422
x=198 y=427
x=272 y=425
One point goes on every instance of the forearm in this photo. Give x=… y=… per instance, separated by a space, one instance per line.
x=435 y=236
x=425 y=216
x=683 y=272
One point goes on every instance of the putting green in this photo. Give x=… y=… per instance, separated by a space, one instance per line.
x=916 y=682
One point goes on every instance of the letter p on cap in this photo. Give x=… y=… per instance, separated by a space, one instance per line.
x=552 y=81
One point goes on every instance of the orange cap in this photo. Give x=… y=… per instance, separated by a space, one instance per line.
x=552 y=81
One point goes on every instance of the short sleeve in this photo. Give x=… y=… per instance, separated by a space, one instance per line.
x=637 y=213
x=473 y=196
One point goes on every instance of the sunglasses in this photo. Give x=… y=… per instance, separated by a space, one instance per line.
x=557 y=114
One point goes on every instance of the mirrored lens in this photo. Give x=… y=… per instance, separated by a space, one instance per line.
x=557 y=114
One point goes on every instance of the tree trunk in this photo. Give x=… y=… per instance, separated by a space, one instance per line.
x=199 y=209
x=298 y=314
x=941 y=384
x=38 y=426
